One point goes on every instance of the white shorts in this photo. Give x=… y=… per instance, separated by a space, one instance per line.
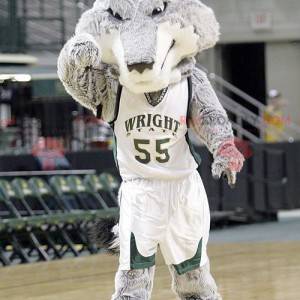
x=172 y=214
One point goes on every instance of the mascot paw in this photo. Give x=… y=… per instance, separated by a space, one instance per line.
x=228 y=161
x=84 y=51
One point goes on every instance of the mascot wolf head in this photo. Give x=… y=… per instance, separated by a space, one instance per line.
x=149 y=42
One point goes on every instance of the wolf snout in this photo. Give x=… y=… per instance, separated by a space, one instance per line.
x=141 y=67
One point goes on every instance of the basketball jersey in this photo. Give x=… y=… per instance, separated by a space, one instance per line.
x=152 y=141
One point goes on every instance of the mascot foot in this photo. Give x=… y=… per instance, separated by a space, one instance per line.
x=195 y=285
x=134 y=284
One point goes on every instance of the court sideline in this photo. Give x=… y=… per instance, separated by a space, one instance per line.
x=246 y=268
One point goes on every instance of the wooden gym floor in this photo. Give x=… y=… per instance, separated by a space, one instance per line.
x=263 y=270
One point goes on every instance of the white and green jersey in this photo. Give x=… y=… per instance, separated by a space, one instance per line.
x=152 y=140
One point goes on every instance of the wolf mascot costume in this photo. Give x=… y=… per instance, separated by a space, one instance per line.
x=132 y=63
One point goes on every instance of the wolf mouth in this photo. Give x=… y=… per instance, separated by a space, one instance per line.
x=164 y=61
x=147 y=81
x=171 y=47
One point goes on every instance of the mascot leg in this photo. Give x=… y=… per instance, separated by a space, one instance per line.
x=134 y=284
x=195 y=285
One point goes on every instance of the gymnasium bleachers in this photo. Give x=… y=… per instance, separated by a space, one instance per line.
x=45 y=219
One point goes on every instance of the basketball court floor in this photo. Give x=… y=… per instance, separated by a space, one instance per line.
x=249 y=262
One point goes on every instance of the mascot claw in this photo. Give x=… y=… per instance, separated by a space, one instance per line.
x=85 y=52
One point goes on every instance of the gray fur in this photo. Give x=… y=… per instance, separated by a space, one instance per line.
x=85 y=77
x=195 y=285
x=210 y=122
x=86 y=71
x=93 y=83
x=96 y=60
x=115 y=243
x=137 y=16
x=134 y=284
x=208 y=117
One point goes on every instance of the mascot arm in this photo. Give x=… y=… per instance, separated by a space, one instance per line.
x=211 y=124
x=80 y=70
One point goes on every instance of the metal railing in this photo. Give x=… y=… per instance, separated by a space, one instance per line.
x=226 y=91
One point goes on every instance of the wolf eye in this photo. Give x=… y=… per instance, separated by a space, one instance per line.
x=115 y=15
x=158 y=10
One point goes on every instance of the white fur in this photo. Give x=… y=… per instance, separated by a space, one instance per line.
x=194 y=28
x=109 y=46
x=115 y=244
x=197 y=284
x=101 y=4
x=164 y=71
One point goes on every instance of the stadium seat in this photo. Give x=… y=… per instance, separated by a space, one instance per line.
x=44 y=225
x=66 y=194
x=24 y=191
x=42 y=190
x=72 y=192
x=8 y=225
x=94 y=184
x=41 y=221
x=10 y=219
x=110 y=189
x=18 y=205
x=24 y=241
x=3 y=258
x=5 y=208
x=57 y=212
x=84 y=193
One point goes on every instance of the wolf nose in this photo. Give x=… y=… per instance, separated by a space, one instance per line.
x=140 y=67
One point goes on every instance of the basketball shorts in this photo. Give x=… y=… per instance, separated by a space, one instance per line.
x=173 y=215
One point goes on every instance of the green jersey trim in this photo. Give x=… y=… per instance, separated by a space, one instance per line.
x=138 y=261
x=194 y=153
x=112 y=125
x=117 y=107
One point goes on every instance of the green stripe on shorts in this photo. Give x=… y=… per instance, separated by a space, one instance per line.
x=190 y=264
x=138 y=261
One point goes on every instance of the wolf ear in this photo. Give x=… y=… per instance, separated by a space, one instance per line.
x=204 y=21
x=90 y=21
